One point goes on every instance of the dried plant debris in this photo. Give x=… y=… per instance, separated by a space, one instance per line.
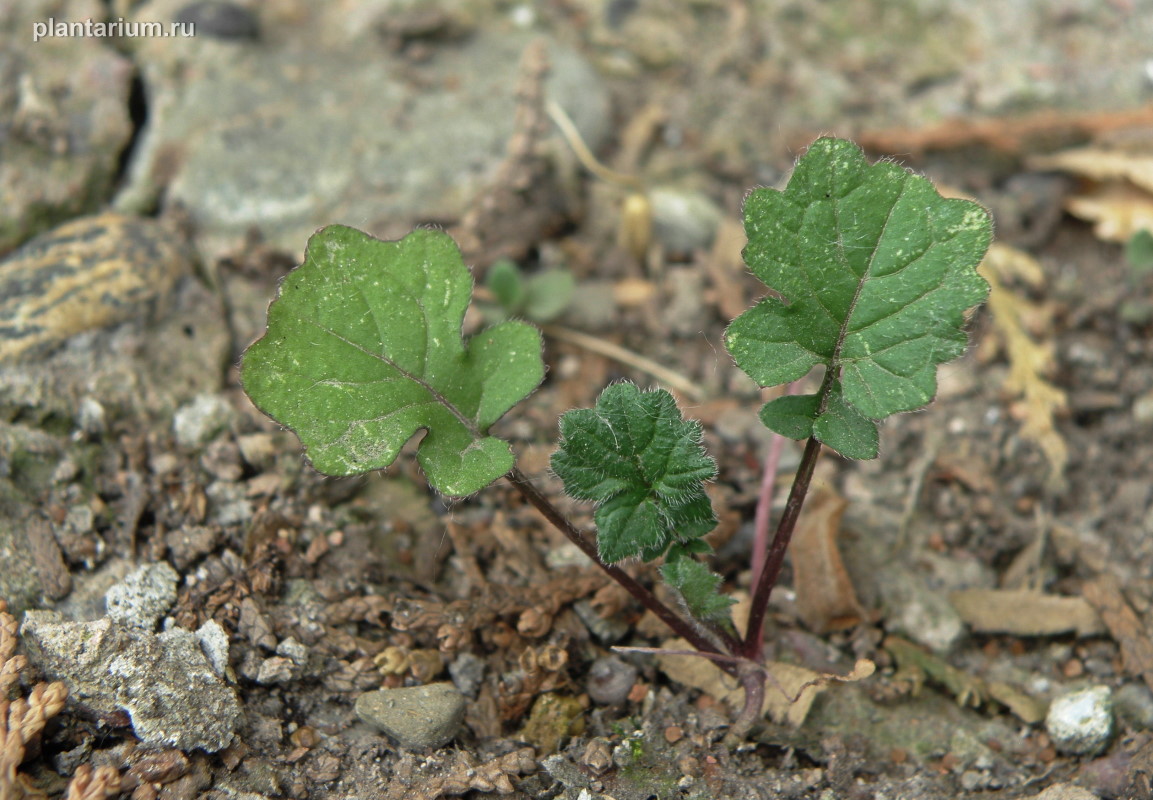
x=455 y=773
x=1118 y=195
x=916 y=665
x=1024 y=612
x=1029 y=361
x=1131 y=634
x=534 y=607
x=826 y=599
x=789 y=694
x=22 y=719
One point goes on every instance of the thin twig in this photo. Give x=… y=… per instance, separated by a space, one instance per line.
x=569 y=130
x=629 y=358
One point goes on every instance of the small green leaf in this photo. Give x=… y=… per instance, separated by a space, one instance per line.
x=364 y=349
x=643 y=465
x=507 y=286
x=699 y=587
x=875 y=270
x=845 y=429
x=1139 y=252
x=791 y=415
x=548 y=294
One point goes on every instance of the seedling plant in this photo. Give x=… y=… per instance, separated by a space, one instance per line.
x=870 y=273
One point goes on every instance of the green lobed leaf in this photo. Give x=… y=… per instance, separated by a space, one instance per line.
x=874 y=270
x=699 y=588
x=642 y=463
x=364 y=349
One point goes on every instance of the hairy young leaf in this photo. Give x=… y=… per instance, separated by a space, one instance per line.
x=698 y=586
x=364 y=349
x=643 y=465
x=875 y=270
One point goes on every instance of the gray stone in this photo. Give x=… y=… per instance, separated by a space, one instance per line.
x=593 y=306
x=164 y=682
x=230 y=505
x=198 y=421
x=353 y=133
x=293 y=650
x=1081 y=722
x=685 y=312
x=277 y=669
x=610 y=680
x=143 y=597
x=417 y=717
x=214 y=642
x=1134 y=704
x=64 y=107
x=914 y=610
x=607 y=630
x=91 y=418
x=684 y=221
x=467 y=673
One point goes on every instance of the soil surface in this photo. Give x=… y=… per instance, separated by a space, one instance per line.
x=1035 y=478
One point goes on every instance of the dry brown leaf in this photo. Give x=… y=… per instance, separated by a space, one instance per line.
x=1126 y=628
x=1028 y=360
x=1011 y=135
x=1024 y=707
x=1023 y=612
x=789 y=692
x=1116 y=210
x=1101 y=164
x=826 y=599
x=1119 y=197
x=725 y=266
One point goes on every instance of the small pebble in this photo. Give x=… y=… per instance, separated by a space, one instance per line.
x=467 y=673
x=197 y=422
x=1081 y=722
x=685 y=221
x=277 y=669
x=220 y=20
x=1134 y=704
x=417 y=717
x=610 y=681
x=214 y=642
x=90 y=417
x=607 y=630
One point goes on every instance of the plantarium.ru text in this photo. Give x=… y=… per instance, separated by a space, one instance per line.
x=871 y=271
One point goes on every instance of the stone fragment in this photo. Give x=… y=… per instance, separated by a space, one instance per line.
x=417 y=717
x=1081 y=722
x=90 y=273
x=610 y=681
x=917 y=612
x=66 y=121
x=143 y=597
x=467 y=672
x=248 y=136
x=164 y=682
x=197 y=422
x=684 y=221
